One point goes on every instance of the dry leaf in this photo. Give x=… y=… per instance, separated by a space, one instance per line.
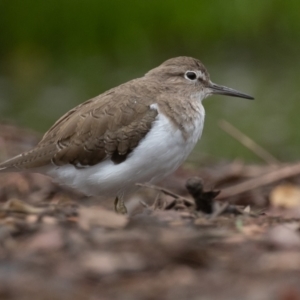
x=15 y=205
x=279 y=261
x=247 y=209
x=285 y=196
x=98 y=216
x=49 y=240
x=252 y=230
x=284 y=237
x=104 y=263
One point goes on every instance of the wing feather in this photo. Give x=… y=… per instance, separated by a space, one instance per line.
x=109 y=126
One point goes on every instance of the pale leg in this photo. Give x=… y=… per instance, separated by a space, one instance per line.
x=120 y=207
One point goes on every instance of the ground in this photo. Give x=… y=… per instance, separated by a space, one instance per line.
x=183 y=240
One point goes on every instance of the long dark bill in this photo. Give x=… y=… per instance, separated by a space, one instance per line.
x=223 y=90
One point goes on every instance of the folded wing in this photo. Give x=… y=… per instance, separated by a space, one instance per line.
x=109 y=126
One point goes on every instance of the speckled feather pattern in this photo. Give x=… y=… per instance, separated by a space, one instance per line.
x=139 y=131
x=160 y=153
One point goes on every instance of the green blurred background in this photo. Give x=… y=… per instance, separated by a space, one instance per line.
x=55 y=54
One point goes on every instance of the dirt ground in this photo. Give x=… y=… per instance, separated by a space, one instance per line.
x=184 y=240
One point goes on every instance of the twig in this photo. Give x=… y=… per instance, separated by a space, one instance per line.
x=248 y=143
x=156 y=201
x=165 y=191
x=219 y=211
x=144 y=203
x=273 y=176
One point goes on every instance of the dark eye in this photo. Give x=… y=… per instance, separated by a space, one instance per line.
x=190 y=75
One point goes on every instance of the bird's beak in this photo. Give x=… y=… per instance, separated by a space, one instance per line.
x=223 y=90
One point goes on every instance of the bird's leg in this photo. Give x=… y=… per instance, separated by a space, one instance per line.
x=120 y=207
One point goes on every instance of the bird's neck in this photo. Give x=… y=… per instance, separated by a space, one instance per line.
x=186 y=113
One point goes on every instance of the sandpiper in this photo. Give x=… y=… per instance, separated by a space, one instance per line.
x=140 y=131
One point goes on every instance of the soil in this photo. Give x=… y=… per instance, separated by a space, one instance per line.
x=199 y=235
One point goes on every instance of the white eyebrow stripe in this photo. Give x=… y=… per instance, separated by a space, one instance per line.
x=201 y=74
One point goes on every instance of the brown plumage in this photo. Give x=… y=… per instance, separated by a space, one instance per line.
x=109 y=126
x=137 y=132
x=112 y=124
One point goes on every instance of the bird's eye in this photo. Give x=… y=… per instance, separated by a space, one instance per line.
x=190 y=75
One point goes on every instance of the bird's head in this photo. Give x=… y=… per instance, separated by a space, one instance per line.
x=189 y=74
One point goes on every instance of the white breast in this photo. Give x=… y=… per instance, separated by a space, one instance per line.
x=160 y=153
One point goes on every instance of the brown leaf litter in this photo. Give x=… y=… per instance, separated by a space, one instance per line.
x=181 y=240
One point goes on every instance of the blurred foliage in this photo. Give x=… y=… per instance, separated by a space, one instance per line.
x=55 y=54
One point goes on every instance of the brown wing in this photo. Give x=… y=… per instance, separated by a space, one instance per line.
x=109 y=126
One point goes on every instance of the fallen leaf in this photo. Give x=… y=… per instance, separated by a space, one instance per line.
x=47 y=240
x=285 y=196
x=98 y=216
x=252 y=230
x=247 y=209
x=15 y=205
x=104 y=263
x=283 y=237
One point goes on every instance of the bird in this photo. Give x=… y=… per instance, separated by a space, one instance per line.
x=138 y=132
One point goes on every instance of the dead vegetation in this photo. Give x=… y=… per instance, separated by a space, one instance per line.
x=182 y=240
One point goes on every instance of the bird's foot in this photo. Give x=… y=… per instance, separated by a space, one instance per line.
x=120 y=207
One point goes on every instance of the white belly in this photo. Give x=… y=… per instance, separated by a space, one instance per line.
x=160 y=153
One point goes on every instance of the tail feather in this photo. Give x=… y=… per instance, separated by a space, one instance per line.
x=9 y=165
x=35 y=158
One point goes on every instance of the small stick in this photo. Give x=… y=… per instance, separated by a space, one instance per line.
x=165 y=191
x=219 y=211
x=248 y=143
x=276 y=175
